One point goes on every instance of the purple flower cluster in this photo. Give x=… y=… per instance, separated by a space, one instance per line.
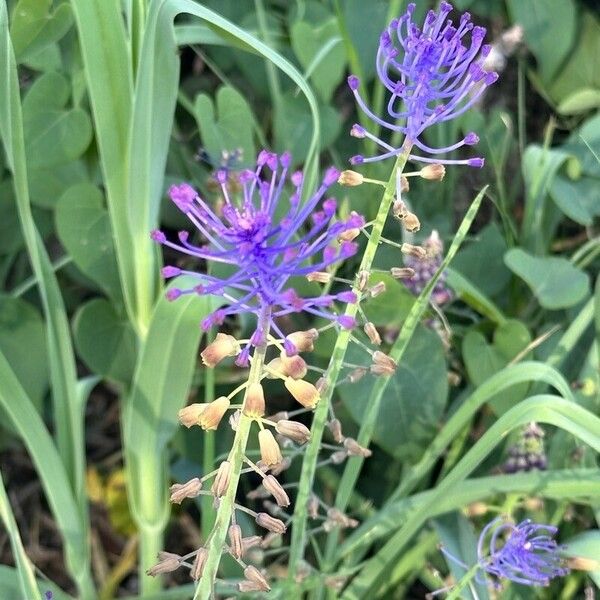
x=432 y=75
x=263 y=250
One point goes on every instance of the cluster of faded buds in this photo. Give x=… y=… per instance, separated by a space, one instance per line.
x=528 y=453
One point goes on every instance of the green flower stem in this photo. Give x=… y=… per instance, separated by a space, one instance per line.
x=465 y=580
x=216 y=539
x=309 y=465
x=208 y=455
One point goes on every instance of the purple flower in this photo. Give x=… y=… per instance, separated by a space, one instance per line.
x=262 y=249
x=433 y=75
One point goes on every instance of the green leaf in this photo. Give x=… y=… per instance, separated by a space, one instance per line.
x=585 y=545
x=47 y=185
x=105 y=340
x=83 y=226
x=577 y=199
x=580 y=101
x=231 y=128
x=326 y=69
x=33 y=27
x=555 y=282
x=392 y=307
x=415 y=399
x=23 y=343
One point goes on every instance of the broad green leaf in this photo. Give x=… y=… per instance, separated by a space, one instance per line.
x=11 y=237
x=414 y=401
x=555 y=282
x=49 y=91
x=578 y=199
x=47 y=185
x=105 y=340
x=326 y=69
x=83 y=226
x=228 y=126
x=585 y=545
x=580 y=101
x=391 y=307
x=23 y=343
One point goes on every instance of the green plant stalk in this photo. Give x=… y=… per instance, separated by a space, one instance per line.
x=208 y=456
x=369 y=421
x=309 y=463
x=216 y=539
x=465 y=580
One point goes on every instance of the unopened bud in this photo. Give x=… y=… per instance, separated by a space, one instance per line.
x=292 y=366
x=190 y=415
x=257 y=494
x=338 y=517
x=454 y=378
x=319 y=277
x=213 y=413
x=399 y=209
x=274 y=488
x=293 y=430
x=255 y=576
x=282 y=465
x=383 y=364
x=362 y=280
x=270 y=523
x=357 y=374
x=235 y=541
x=411 y=223
x=167 y=563
x=321 y=385
x=254 y=404
x=250 y=542
x=270 y=539
x=434 y=172
x=355 y=449
x=335 y=426
x=377 y=289
x=337 y=458
x=312 y=506
x=304 y=340
x=269 y=449
x=279 y=416
x=248 y=587
x=372 y=333
x=402 y=272
x=223 y=346
x=350 y=178
x=179 y=491
x=416 y=251
x=198 y=564
x=350 y=234
x=303 y=391
x=582 y=563
x=477 y=509
x=221 y=482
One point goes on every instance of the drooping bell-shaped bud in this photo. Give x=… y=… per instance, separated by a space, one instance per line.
x=211 y=416
x=269 y=448
x=270 y=523
x=254 y=404
x=235 y=541
x=303 y=340
x=372 y=333
x=383 y=364
x=223 y=346
x=303 y=391
x=434 y=172
x=293 y=430
x=274 y=488
x=180 y=491
x=221 y=481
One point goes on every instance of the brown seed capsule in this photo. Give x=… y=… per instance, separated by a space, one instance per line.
x=411 y=223
x=433 y=172
x=312 y=506
x=362 y=280
x=416 y=251
x=167 y=563
x=399 y=209
x=211 y=416
x=248 y=586
x=355 y=449
x=190 y=415
x=383 y=364
x=402 y=272
x=180 y=491
x=350 y=178
x=255 y=576
x=377 y=289
x=294 y=430
x=319 y=277
x=250 y=542
x=223 y=346
x=357 y=374
x=221 y=481
x=337 y=458
x=254 y=404
x=274 y=488
x=335 y=426
x=303 y=391
x=304 y=340
x=270 y=523
x=269 y=449
x=338 y=517
x=372 y=333
x=235 y=541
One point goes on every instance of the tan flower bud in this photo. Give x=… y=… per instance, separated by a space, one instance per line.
x=433 y=172
x=411 y=222
x=416 y=251
x=250 y=542
x=255 y=576
x=383 y=364
x=357 y=374
x=377 y=289
x=337 y=458
x=355 y=449
x=454 y=378
x=167 y=563
x=198 y=564
x=350 y=234
x=270 y=523
x=399 y=209
x=221 y=481
x=477 y=509
x=338 y=517
x=279 y=416
x=319 y=277
x=274 y=488
x=372 y=333
x=248 y=586
x=179 y=491
x=402 y=272
x=312 y=506
x=235 y=541
x=292 y=366
x=321 y=385
x=223 y=346
x=190 y=415
x=304 y=340
x=582 y=563
x=254 y=404
x=269 y=449
x=335 y=426
x=294 y=430
x=350 y=178
x=362 y=280
x=303 y=391
x=211 y=416
x=234 y=419
x=280 y=467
